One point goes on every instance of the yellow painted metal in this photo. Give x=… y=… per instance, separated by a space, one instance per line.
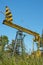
x=37 y=36
x=8 y=22
x=8 y=14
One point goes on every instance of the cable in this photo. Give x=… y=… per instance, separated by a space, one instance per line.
x=2 y=12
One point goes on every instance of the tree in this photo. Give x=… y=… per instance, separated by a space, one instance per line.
x=11 y=47
x=4 y=41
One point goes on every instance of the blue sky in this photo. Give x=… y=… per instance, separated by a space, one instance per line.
x=27 y=13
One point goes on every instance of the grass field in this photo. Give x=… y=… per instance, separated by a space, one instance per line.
x=20 y=60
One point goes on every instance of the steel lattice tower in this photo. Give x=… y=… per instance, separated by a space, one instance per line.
x=19 y=43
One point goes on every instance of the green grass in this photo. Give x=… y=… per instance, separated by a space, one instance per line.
x=19 y=60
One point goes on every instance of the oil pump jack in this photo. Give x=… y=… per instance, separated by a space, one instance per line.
x=8 y=21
